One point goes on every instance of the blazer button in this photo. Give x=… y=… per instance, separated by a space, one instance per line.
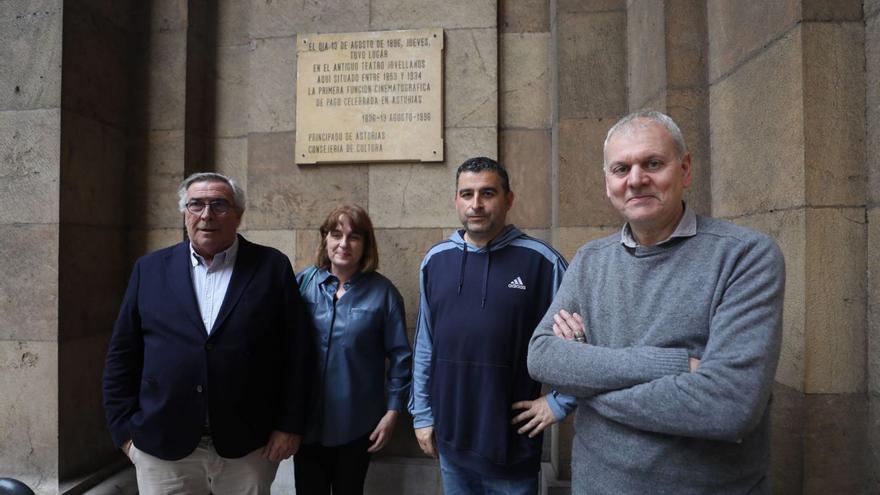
x=209 y=346
x=199 y=388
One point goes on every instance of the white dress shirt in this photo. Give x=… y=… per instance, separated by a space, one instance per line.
x=210 y=281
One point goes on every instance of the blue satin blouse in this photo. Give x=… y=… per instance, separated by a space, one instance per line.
x=355 y=335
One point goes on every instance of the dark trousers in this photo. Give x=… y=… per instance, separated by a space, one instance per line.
x=342 y=468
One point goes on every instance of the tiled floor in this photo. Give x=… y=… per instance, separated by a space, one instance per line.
x=388 y=475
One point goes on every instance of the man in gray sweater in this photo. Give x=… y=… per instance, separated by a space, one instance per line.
x=668 y=333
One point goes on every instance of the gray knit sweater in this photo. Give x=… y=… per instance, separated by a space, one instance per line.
x=645 y=424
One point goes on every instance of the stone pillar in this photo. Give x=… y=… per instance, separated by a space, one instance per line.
x=786 y=104
x=123 y=153
x=666 y=58
x=525 y=86
x=200 y=89
x=872 y=58
x=591 y=63
x=157 y=135
x=228 y=41
x=30 y=158
x=92 y=268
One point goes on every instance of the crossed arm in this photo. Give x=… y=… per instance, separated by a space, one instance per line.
x=583 y=369
x=721 y=396
x=570 y=326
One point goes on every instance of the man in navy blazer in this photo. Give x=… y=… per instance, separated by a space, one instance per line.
x=207 y=372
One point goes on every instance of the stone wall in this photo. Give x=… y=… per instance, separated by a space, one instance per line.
x=786 y=106
x=30 y=156
x=777 y=100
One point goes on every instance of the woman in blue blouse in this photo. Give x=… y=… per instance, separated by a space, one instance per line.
x=359 y=323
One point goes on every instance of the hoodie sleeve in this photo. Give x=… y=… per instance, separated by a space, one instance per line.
x=420 y=398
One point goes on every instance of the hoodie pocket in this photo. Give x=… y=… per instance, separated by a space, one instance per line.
x=471 y=406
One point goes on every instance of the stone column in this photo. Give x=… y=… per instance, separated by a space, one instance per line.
x=872 y=58
x=122 y=140
x=591 y=62
x=787 y=127
x=157 y=136
x=92 y=267
x=525 y=85
x=30 y=158
x=666 y=58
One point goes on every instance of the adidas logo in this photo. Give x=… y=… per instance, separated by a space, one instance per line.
x=517 y=283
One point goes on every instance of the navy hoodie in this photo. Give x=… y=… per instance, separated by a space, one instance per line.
x=478 y=309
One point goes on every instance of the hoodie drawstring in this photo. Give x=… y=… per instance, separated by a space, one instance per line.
x=508 y=235
x=486 y=276
x=485 y=273
x=461 y=271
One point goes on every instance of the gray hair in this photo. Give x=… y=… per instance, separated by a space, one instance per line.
x=627 y=123
x=238 y=196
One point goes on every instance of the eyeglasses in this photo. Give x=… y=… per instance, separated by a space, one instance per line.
x=218 y=206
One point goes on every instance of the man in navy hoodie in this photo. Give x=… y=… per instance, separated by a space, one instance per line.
x=483 y=291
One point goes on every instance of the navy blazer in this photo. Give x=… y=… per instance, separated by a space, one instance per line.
x=165 y=374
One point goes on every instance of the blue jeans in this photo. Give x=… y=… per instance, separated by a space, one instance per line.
x=460 y=481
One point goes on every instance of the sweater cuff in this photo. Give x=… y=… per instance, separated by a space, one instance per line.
x=669 y=361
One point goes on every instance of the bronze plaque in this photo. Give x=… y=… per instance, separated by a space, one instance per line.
x=370 y=97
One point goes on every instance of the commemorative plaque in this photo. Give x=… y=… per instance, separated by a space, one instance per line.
x=370 y=97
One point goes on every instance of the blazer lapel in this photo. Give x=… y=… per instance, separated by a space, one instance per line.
x=242 y=274
x=179 y=266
